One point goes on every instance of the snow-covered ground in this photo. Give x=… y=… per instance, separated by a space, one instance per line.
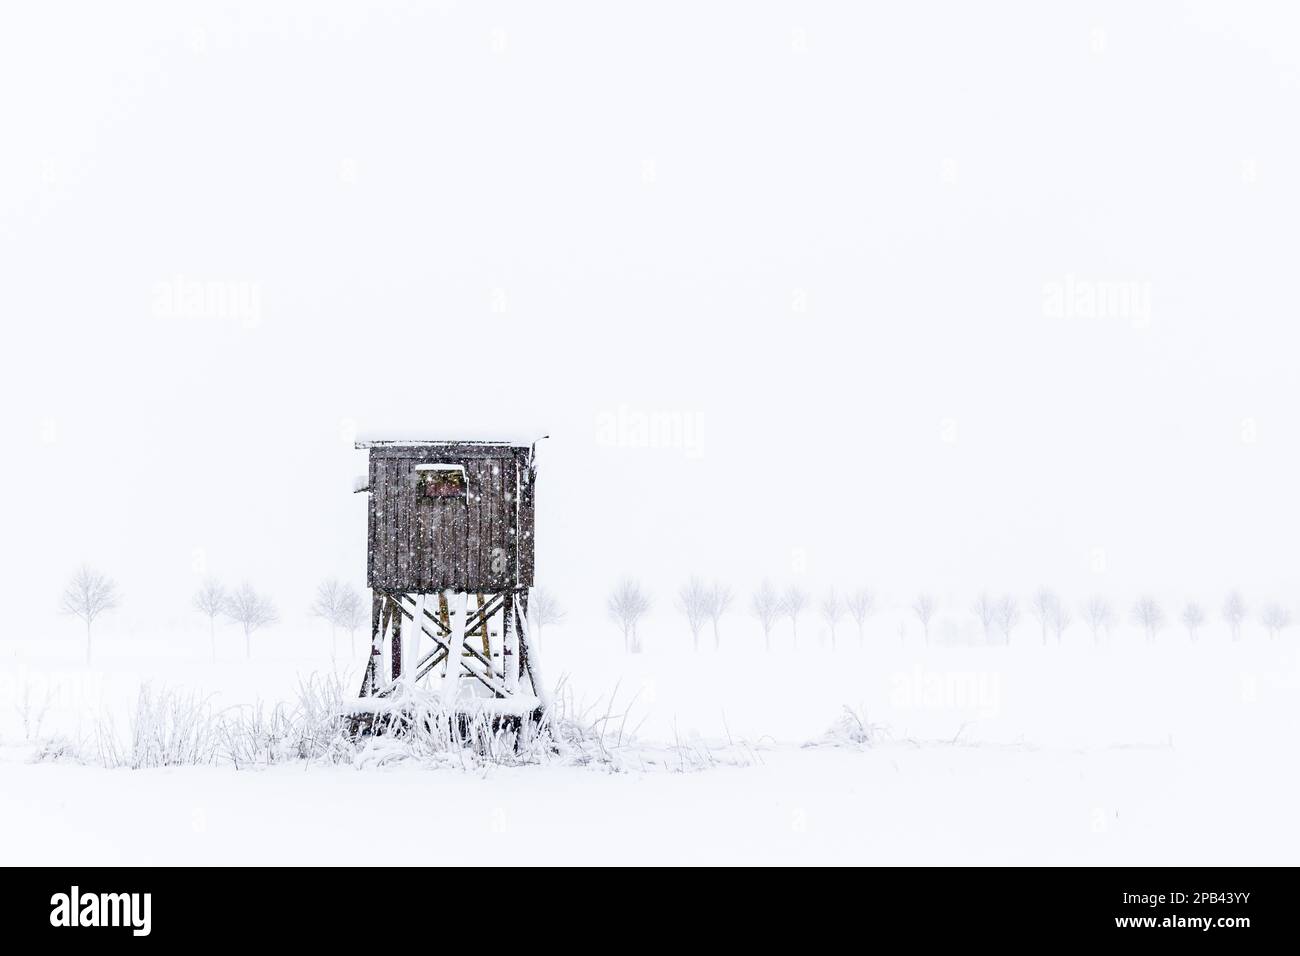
x=898 y=804
x=1169 y=753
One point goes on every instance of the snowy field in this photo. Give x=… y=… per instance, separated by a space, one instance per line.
x=1123 y=753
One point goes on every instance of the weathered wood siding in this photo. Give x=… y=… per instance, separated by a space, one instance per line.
x=480 y=543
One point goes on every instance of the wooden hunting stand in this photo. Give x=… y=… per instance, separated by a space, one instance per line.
x=450 y=567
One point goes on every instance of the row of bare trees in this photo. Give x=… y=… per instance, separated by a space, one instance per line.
x=769 y=606
x=340 y=606
x=998 y=615
x=705 y=604
x=90 y=593
x=244 y=606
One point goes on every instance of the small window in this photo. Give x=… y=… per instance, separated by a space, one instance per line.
x=440 y=481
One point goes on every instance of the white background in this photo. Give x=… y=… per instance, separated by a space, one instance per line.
x=652 y=194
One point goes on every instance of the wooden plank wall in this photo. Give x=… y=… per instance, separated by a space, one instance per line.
x=526 y=521
x=450 y=543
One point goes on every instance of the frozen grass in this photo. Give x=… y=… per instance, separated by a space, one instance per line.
x=600 y=735
x=312 y=728
x=165 y=729
x=851 y=729
x=31 y=710
x=177 y=728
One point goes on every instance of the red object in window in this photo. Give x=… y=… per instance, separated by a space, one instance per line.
x=442 y=484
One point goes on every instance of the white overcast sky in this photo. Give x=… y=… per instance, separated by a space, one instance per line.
x=822 y=233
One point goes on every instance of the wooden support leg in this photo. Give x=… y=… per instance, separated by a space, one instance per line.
x=411 y=646
x=455 y=648
x=395 y=644
x=483 y=623
x=528 y=654
x=521 y=598
x=378 y=618
x=494 y=642
x=509 y=647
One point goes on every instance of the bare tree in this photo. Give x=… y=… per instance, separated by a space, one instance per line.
x=328 y=606
x=832 y=609
x=862 y=603
x=251 y=611
x=544 y=610
x=793 y=602
x=719 y=602
x=1061 y=620
x=693 y=601
x=1193 y=617
x=1234 y=612
x=627 y=604
x=210 y=600
x=1044 y=605
x=1149 y=615
x=924 y=607
x=986 y=609
x=352 y=614
x=1008 y=615
x=766 y=606
x=1275 y=618
x=88 y=595
x=1097 y=613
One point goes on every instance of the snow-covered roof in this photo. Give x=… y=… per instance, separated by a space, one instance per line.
x=371 y=442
